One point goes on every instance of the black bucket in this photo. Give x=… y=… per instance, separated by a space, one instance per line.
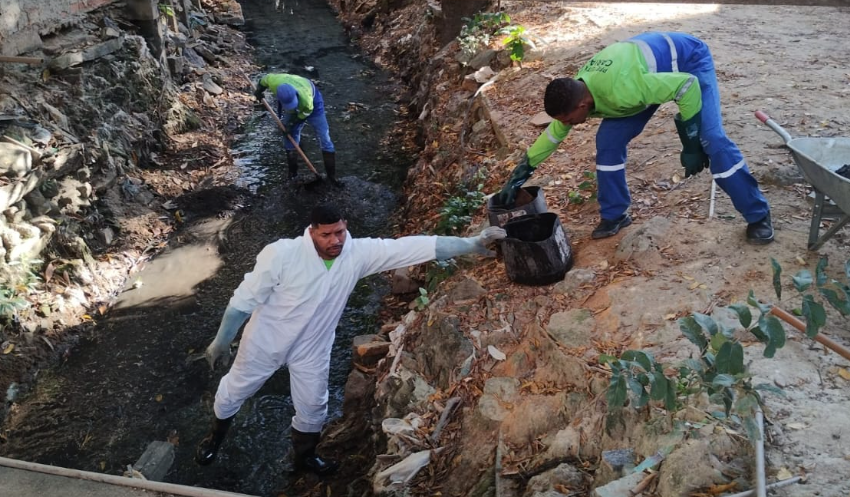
x=499 y=215
x=537 y=250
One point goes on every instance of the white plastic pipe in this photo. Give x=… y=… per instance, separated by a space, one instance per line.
x=713 y=195
x=154 y=486
x=761 y=488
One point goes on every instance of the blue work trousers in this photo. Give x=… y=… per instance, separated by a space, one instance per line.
x=676 y=52
x=316 y=119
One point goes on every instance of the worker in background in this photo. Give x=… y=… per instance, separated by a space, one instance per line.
x=300 y=102
x=624 y=84
x=295 y=296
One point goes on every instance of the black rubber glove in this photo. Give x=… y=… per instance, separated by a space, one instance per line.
x=693 y=157
x=519 y=176
x=258 y=93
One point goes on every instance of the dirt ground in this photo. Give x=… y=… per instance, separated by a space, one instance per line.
x=781 y=60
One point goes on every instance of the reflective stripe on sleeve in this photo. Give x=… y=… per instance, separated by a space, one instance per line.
x=652 y=65
x=684 y=88
x=674 y=56
x=552 y=138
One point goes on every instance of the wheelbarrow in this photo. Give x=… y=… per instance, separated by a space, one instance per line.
x=818 y=160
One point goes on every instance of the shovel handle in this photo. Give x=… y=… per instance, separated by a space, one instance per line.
x=761 y=116
x=285 y=132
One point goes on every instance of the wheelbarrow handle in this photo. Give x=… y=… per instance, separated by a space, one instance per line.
x=763 y=117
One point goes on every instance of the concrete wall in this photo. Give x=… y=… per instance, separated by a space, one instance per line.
x=22 y=20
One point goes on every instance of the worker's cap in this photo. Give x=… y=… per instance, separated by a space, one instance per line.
x=287 y=97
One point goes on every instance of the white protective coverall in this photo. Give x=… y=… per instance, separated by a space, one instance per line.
x=295 y=303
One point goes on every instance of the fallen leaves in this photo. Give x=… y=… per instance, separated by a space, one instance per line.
x=7 y=349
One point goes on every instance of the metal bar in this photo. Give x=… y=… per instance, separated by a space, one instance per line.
x=829 y=233
x=817 y=212
x=154 y=486
x=22 y=60
x=772 y=486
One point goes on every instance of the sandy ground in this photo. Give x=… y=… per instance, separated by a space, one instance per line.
x=786 y=61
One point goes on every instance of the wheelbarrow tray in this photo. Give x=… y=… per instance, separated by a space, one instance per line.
x=818 y=159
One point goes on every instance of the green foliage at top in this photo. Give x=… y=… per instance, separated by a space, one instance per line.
x=478 y=30
x=516 y=41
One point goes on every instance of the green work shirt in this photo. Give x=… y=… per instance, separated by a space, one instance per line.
x=622 y=86
x=303 y=87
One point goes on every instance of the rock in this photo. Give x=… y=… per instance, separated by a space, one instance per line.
x=541 y=119
x=93 y=52
x=573 y=328
x=85 y=190
x=490 y=408
x=615 y=464
x=175 y=66
x=40 y=135
x=482 y=58
x=205 y=53
x=565 y=475
x=211 y=87
x=687 y=469
x=37 y=203
x=469 y=83
x=192 y=58
x=15 y=161
x=156 y=460
x=402 y=282
x=481 y=125
x=440 y=349
x=648 y=236
x=619 y=488
x=565 y=444
x=574 y=279
x=370 y=353
x=504 y=388
x=484 y=74
x=467 y=289
x=106 y=236
x=233 y=16
x=359 y=390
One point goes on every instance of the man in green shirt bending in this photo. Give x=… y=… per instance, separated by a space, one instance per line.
x=624 y=84
x=299 y=102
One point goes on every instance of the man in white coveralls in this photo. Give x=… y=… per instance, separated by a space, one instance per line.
x=295 y=296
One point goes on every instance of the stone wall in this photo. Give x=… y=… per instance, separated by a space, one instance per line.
x=23 y=21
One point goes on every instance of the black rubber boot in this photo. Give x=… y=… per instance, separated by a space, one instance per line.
x=305 y=457
x=760 y=232
x=329 y=158
x=607 y=228
x=208 y=448
x=292 y=163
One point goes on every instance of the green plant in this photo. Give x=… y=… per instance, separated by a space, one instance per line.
x=166 y=10
x=437 y=272
x=719 y=371
x=422 y=300
x=588 y=185
x=478 y=30
x=814 y=288
x=10 y=304
x=456 y=213
x=516 y=41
